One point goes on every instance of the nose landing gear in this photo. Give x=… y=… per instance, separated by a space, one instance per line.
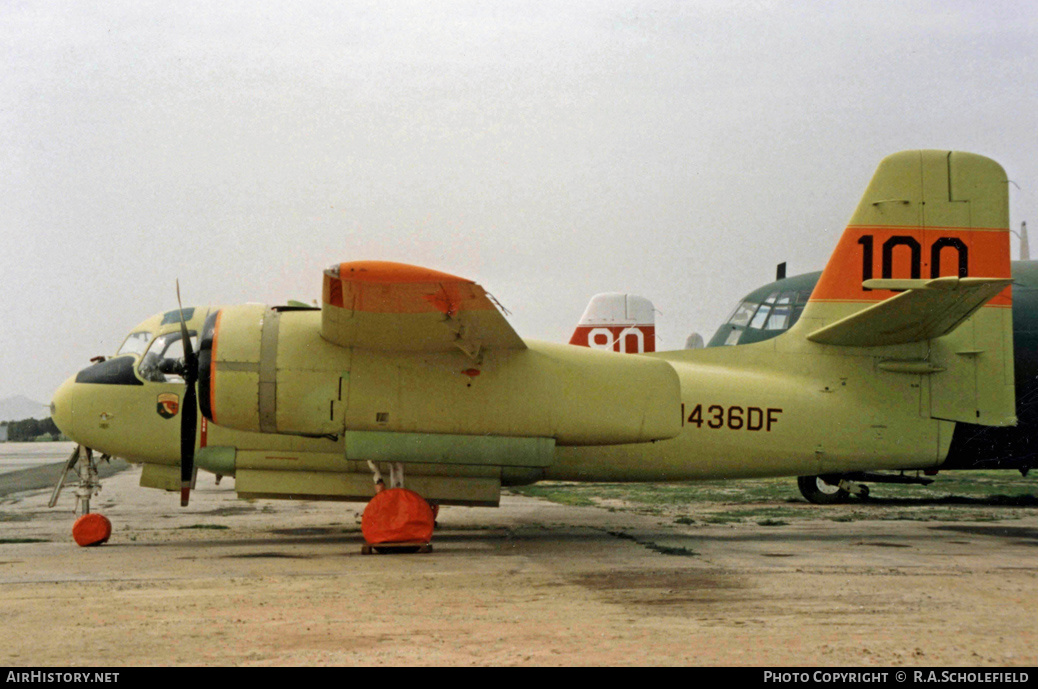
x=91 y=528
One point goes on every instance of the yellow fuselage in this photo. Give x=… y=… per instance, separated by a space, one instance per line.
x=782 y=407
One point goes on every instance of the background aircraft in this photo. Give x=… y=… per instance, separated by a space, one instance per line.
x=772 y=309
x=407 y=367
x=617 y=322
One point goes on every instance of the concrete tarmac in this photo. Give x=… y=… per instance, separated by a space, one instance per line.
x=29 y=466
x=230 y=582
x=19 y=456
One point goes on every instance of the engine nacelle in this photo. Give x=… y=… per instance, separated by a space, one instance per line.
x=269 y=370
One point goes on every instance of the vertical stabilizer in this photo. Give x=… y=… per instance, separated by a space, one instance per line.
x=927 y=215
x=620 y=322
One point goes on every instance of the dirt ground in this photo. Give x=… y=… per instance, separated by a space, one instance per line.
x=228 y=582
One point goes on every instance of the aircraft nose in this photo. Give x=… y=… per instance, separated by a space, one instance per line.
x=61 y=407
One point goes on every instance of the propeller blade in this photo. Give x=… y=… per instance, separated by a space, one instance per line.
x=188 y=424
x=188 y=410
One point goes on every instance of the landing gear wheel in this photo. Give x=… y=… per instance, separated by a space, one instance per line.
x=91 y=529
x=397 y=518
x=394 y=548
x=818 y=491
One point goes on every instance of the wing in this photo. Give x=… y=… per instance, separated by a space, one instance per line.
x=399 y=307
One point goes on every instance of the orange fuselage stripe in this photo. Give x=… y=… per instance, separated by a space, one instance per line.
x=907 y=252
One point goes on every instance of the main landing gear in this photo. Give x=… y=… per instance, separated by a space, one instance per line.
x=91 y=528
x=830 y=489
x=396 y=519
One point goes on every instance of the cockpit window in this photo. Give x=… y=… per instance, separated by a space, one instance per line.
x=135 y=343
x=742 y=314
x=762 y=317
x=165 y=358
x=758 y=318
x=780 y=312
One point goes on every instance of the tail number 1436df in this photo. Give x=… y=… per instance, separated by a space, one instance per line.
x=735 y=418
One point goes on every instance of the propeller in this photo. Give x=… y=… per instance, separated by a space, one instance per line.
x=188 y=410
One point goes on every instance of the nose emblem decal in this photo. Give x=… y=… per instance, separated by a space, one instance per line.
x=167 y=405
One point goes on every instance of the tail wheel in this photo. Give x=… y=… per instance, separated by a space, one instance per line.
x=821 y=492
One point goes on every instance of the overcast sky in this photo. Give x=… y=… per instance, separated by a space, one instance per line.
x=549 y=151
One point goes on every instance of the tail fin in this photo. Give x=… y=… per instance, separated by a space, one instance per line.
x=925 y=259
x=620 y=322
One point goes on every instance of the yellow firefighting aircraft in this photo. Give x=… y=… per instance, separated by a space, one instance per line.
x=908 y=332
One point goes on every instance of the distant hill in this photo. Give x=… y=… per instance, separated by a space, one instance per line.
x=20 y=407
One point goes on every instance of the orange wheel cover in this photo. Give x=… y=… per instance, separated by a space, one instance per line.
x=91 y=529
x=397 y=515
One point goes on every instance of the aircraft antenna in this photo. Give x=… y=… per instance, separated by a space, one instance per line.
x=1025 y=249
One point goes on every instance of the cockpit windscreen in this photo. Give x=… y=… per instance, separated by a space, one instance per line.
x=135 y=343
x=766 y=312
x=165 y=357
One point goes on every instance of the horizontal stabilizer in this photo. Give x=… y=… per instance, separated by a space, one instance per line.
x=927 y=310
